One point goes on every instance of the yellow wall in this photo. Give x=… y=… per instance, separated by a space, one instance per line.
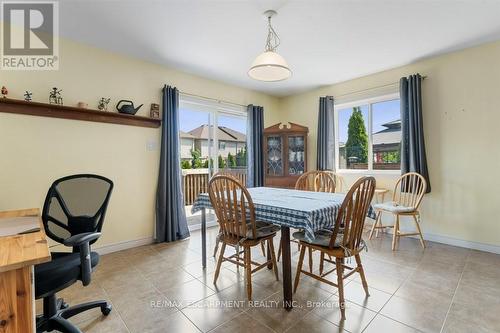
x=35 y=150
x=460 y=113
x=461 y=119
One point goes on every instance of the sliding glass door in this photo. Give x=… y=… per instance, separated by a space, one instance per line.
x=212 y=139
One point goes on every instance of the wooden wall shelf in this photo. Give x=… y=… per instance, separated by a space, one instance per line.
x=8 y=105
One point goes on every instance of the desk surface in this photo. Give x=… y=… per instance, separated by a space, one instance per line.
x=23 y=250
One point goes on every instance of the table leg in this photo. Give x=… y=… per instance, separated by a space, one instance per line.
x=17 y=301
x=269 y=266
x=204 y=237
x=287 y=268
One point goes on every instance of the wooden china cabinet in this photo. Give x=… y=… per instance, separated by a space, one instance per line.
x=285 y=154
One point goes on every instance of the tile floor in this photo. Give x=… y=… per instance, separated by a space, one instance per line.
x=160 y=288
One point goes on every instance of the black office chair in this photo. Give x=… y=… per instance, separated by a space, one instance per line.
x=73 y=214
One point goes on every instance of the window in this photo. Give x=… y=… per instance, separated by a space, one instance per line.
x=368 y=134
x=222 y=145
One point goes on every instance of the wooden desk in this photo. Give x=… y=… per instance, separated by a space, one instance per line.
x=18 y=255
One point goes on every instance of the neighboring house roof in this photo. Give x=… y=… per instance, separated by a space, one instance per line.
x=237 y=135
x=390 y=135
x=184 y=135
x=223 y=134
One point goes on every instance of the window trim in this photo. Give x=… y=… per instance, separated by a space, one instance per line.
x=361 y=102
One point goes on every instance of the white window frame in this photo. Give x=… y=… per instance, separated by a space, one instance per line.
x=361 y=102
x=215 y=109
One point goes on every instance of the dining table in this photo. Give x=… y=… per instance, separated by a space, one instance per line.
x=286 y=208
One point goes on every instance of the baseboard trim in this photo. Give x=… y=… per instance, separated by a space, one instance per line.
x=462 y=243
x=456 y=242
x=110 y=248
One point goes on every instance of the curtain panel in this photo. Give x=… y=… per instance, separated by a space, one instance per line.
x=255 y=153
x=171 y=222
x=413 y=156
x=325 y=158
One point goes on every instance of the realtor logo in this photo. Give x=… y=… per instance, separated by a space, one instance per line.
x=30 y=35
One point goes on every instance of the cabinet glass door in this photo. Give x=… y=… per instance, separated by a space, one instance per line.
x=274 y=163
x=296 y=155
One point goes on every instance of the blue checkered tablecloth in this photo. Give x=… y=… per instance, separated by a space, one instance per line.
x=311 y=211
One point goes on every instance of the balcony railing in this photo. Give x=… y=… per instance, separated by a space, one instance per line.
x=195 y=181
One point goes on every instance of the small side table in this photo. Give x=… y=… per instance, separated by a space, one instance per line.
x=380 y=194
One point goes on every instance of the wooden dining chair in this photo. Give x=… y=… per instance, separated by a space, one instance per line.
x=343 y=241
x=217 y=239
x=407 y=196
x=314 y=181
x=235 y=212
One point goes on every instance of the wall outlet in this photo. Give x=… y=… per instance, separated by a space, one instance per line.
x=151 y=145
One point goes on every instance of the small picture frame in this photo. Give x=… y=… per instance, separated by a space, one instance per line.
x=154 y=111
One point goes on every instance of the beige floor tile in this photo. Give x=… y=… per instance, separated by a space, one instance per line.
x=215 y=310
x=225 y=279
x=188 y=293
x=481 y=274
x=147 y=285
x=475 y=306
x=484 y=258
x=111 y=323
x=419 y=308
x=384 y=324
x=312 y=323
x=357 y=317
x=196 y=269
x=146 y=314
x=271 y=313
x=354 y=292
x=170 y=278
x=242 y=323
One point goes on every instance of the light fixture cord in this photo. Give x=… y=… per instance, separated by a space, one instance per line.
x=273 y=40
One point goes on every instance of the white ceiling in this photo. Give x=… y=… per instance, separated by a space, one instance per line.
x=324 y=42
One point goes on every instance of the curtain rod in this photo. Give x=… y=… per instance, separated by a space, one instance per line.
x=212 y=99
x=372 y=88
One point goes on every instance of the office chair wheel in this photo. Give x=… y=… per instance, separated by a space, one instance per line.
x=106 y=310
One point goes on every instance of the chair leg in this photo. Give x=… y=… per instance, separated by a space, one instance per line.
x=216 y=248
x=248 y=272
x=419 y=230
x=273 y=258
x=263 y=248
x=279 y=250
x=77 y=309
x=321 y=263
x=340 y=283
x=362 y=274
x=379 y=214
x=219 y=262
x=299 y=267
x=396 y=231
x=62 y=325
x=310 y=260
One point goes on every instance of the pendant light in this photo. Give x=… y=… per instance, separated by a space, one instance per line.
x=270 y=66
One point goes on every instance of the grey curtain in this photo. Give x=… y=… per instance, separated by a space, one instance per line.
x=171 y=223
x=255 y=153
x=413 y=157
x=325 y=159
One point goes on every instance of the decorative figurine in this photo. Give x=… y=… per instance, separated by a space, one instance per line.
x=28 y=96
x=103 y=104
x=5 y=92
x=55 y=97
x=155 y=110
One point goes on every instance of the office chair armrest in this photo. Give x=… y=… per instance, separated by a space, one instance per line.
x=80 y=239
x=83 y=243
